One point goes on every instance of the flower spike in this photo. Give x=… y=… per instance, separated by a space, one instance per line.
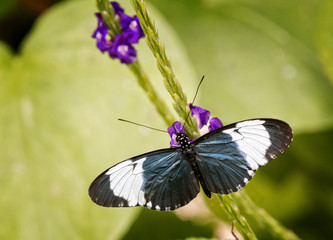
x=118 y=45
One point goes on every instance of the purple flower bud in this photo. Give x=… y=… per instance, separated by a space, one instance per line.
x=101 y=34
x=131 y=28
x=122 y=50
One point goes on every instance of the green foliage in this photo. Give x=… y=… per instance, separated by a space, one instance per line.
x=324 y=37
x=59 y=103
x=60 y=98
x=166 y=225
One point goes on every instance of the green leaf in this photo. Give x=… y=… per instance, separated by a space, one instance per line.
x=158 y=222
x=199 y=238
x=324 y=37
x=59 y=104
x=298 y=185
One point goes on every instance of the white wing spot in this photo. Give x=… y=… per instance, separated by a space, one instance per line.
x=250 y=172
x=250 y=123
x=118 y=167
x=142 y=201
x=255 y=142
x=126 y=180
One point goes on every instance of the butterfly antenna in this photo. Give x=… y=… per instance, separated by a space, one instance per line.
x=196 y=92
x=195 y=96
x=141 y=125
x=174 y=128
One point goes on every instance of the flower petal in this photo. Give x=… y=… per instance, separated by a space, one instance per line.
x=175 y=128
x=101 y=34
x=201 y=114
x=131 y=28
x=214 y=123
x=117 y=9
x=122 y=50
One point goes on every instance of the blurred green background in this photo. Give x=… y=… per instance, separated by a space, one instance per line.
x=60 y=99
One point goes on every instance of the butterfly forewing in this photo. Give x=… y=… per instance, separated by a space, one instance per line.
x=229 y=157
x=160 y=180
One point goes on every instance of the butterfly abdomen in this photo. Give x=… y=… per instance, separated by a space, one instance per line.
x=198 y=175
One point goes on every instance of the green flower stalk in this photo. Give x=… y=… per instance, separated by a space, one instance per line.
x=233 y=213
x=164 y=65
x=146 y=85
x=263 y=220
x=109 y=17
x=114 y=24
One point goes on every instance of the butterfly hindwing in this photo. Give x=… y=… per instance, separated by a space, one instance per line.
x=160 y=180
x=229 y=157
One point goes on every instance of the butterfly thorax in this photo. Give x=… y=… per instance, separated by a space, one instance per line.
x=190 y=155
x=185 y=146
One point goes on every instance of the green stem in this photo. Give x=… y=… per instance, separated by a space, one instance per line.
x=264 y=221
x=112 y=21
x=233 y=213
x=109 y=17
x=146 y=85
x=164 y=65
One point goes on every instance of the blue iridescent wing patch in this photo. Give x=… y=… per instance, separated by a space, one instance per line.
x=160 y=180
x=229 y=157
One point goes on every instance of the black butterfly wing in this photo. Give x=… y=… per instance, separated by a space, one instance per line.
x=160 y=180
x=229 y=156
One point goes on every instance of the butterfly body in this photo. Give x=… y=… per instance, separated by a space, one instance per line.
x=222 y=161
x=189 y=153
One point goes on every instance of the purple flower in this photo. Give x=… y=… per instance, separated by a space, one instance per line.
x=214 y=123
x=122 y=50
x=117 y=9
x=202 y=115
x=205 y=123
x=131 y=28
x=119 y=46
x=101 y=34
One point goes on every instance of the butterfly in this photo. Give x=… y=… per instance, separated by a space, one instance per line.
x=222 y=161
